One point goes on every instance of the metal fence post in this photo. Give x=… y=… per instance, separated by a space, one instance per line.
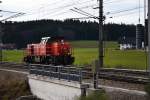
x=80 y=76
x=50 y=74
x=59 y=72
x=68 y=74
x=28 y=67
x=96 y=72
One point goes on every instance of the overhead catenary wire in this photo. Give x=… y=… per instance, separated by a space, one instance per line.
x=13 y=16
x=122 y=11
x=64 y=8
x=52 y=13
x=125 y=10
x=115 y=12
x=125 y=14
x=43 y=6
x=9 y=11
x=111 y=2
x=88 y=14
x=64 y=5
x=81 y=13
x=60 y=9
x=67 y=11
x=79 y=3
x=81 y=18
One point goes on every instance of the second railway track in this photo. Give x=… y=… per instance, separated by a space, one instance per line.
x=125 y=75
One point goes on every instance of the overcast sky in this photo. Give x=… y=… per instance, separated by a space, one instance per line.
x=61 y=9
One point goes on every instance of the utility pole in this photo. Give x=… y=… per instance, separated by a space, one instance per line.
x=1 y=44
x=149 y=36
x=101 y=18
x=1 y=33
x=99 y=62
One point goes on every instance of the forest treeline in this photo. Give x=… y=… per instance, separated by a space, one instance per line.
x=22 y=33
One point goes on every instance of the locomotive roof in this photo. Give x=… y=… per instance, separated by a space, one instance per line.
x=45 y=40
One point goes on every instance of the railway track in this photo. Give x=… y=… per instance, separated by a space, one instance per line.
x=125 y=75
x=136 y=76
x=15 y=66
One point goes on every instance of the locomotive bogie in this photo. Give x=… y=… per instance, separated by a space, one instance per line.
x=55 y=60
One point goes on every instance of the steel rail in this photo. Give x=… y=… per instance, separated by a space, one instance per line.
x=124 y=75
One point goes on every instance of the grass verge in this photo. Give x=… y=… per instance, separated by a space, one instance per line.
x=96 y=95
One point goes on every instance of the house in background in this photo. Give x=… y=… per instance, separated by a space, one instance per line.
x=127 y=43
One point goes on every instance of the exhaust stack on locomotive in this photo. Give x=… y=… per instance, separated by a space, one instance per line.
x=50 y=50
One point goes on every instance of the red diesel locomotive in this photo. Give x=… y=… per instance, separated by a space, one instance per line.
x=50 y=51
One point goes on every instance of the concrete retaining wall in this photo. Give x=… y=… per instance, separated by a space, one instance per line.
x=53 y=89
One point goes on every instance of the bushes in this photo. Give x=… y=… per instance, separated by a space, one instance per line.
x=12 y=86
x=13 y=89
x=147 y=89
x=96 y=95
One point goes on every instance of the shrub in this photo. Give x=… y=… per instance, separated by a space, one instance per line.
x=96 y=95
x=147 y=89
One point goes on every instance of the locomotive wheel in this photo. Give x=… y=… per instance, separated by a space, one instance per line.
x=48 y=60
x=42 y=60
x=54 y=60
x=29 y=59
x=32 y=59
x=57 y=60
x=68 y=60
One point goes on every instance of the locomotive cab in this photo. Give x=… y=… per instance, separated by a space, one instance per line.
x=44 y=40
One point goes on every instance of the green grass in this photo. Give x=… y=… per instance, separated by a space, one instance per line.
x=96 y=95
x=131 y=59
x=85 y=55
x=93 y=44
x=86 y=52
x=13 y=55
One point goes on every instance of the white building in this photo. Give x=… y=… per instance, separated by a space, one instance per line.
x=127 y=43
